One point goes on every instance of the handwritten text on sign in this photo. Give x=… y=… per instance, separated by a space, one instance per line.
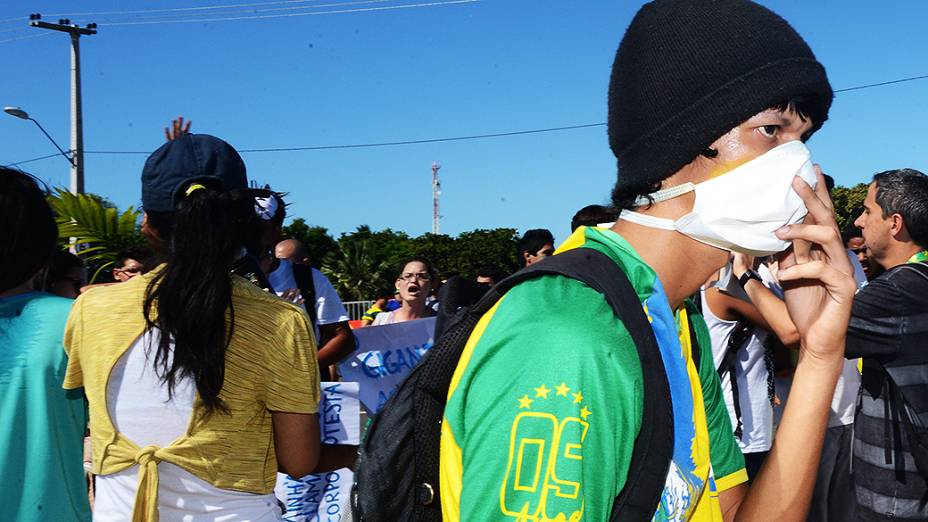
x=384 y=356
x=324 y=497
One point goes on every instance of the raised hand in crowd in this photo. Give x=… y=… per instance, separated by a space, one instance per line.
x=177 y=129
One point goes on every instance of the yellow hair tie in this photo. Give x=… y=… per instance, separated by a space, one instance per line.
x=193 y=188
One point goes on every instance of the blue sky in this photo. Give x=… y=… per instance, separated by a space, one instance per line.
x=415 y=73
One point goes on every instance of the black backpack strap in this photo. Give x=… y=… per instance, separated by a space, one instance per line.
x=694 y=307
x=921 y=268
x=248 y=267
x=740 y=335
x=653 y=449
x=304 y=281
x=916 y=435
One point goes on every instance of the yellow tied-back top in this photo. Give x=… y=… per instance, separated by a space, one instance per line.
x=270 y=366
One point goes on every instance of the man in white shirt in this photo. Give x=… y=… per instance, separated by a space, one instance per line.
x=742 y=349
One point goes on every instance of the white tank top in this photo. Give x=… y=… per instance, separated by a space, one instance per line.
x=751 y=374
x=139 y=406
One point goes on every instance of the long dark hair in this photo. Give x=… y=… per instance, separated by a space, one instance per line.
x=188 y=300
x=29 y=233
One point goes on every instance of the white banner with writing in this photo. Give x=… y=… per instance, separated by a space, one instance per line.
x=324 y=497
x=384 y=356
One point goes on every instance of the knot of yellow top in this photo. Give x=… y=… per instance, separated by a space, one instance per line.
x=146 y=497
x=147 y=454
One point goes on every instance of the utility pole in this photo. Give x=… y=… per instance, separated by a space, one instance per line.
x=436 y=192
x=77 y=122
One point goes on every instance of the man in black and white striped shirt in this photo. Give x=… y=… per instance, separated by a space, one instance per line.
x=889 y=330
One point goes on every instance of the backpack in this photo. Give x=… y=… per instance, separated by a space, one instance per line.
x=396 y=474
x=916 y=433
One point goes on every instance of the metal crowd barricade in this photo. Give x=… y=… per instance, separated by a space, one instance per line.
x=356 y=309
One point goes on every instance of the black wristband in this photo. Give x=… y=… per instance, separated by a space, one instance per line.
x=747 y=276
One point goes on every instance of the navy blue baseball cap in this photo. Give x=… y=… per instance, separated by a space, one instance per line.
x=187 y=159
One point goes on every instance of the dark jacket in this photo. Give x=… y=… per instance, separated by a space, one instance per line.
x=889 y=330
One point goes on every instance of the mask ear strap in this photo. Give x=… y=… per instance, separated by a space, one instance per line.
x=665 y=194
x=646 y=220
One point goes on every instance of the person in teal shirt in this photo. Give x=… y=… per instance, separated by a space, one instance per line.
x=41 y=444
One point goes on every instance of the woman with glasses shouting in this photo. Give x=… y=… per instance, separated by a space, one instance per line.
x=414 y=283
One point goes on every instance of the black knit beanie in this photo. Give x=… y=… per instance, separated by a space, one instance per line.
x=689 y=71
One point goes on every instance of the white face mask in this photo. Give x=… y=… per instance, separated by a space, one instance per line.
x=739 y=210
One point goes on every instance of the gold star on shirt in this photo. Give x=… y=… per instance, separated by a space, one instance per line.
x=562 y=389
x=525 y=402
x=584 y=413
x=578 y=397
x=542 y=391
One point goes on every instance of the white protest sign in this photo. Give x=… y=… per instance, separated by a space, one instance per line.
x=384 y=356
x=340 y=413
x=324 y=497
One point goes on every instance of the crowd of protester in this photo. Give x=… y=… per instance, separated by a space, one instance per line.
x=794 y=354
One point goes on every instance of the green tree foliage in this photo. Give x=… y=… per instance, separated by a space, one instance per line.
x=367 y=260
x=319 y=243
x=849 y=202
x=494 y=248
x=388 y=246
x=355 y=271
x=363 y=261
x=94 y=227
x=440 y=250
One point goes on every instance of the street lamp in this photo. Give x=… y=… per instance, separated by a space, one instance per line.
x=23 y=115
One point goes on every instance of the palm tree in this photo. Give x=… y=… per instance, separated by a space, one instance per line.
x=94 y=228
x=355 y=272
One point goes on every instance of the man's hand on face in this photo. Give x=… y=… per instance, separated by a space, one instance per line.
x=817 y=277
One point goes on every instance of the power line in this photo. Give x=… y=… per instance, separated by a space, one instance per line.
x=439 y=140
x=286 y=15
x=33 y=159
x=210 y=16
x=429 y=140
x=476 y=136
x=859 y=87
x=352 y=145
x=181 y=9
x=146 y=12
x=380 y=144
x=191 y=18
x=208 y=13
x=24 y=37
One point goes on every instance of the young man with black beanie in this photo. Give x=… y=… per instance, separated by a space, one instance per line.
x=712 y=97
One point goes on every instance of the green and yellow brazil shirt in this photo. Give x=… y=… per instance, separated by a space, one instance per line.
x=546 y=402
